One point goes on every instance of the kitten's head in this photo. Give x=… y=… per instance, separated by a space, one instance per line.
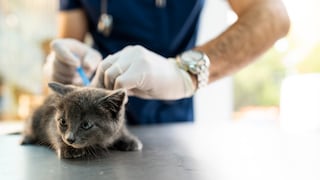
x=88 y=116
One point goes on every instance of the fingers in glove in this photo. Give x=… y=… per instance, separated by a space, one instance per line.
x=111 y=74
x=77 y=80
x=63 y=73
x=131 y=80
x=62 y=79
x=91 y=61
x=100 y=74
x=64 y=54
x=63 y=69
x=98 y=79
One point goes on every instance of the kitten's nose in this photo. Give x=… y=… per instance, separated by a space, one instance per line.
x=70 y=138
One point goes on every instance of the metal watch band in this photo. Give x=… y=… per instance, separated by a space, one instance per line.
x=203 y=77
x=198 y=67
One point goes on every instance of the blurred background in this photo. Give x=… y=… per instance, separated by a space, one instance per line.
x=252 y=94
x=26 y=27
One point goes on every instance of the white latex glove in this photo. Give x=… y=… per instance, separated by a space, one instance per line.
x=66 y=56
x=144 y=74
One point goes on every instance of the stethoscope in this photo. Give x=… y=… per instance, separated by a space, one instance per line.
x=105 y=22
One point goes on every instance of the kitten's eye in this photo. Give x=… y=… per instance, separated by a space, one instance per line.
x=86 y=125
x=62 y=122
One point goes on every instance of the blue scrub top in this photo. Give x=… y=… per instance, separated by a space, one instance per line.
x=167 y=31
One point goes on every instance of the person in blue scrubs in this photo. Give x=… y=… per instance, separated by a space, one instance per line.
x=139 y=41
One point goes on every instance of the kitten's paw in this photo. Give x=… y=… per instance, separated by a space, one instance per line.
x=27 y=140
x=71 y=153
x=127 y=144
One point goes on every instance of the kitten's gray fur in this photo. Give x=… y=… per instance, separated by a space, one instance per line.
x=80 y=122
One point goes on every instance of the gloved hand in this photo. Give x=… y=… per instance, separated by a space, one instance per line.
x=144 y=74
x=66 y=56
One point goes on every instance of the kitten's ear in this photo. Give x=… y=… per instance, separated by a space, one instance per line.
x=114 y=101
x=61 y=88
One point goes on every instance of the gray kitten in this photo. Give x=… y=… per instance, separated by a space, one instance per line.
x=81 y=122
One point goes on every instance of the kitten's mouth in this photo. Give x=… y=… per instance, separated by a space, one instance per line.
x=75 y=145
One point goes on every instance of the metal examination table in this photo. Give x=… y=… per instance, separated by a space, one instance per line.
x=178 y=152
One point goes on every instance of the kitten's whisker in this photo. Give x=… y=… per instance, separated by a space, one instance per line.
x=90 y=150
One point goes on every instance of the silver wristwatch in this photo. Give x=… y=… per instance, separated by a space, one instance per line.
x=196 y=63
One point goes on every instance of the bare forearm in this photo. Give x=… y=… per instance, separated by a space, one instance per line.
x=72 y=24
x=257 y=28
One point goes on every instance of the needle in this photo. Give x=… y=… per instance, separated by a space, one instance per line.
x=83 y=76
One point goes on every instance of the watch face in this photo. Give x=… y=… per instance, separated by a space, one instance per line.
x=196 y=63
x=193 y=59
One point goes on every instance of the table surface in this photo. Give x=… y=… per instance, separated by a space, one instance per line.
x=178 y=151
